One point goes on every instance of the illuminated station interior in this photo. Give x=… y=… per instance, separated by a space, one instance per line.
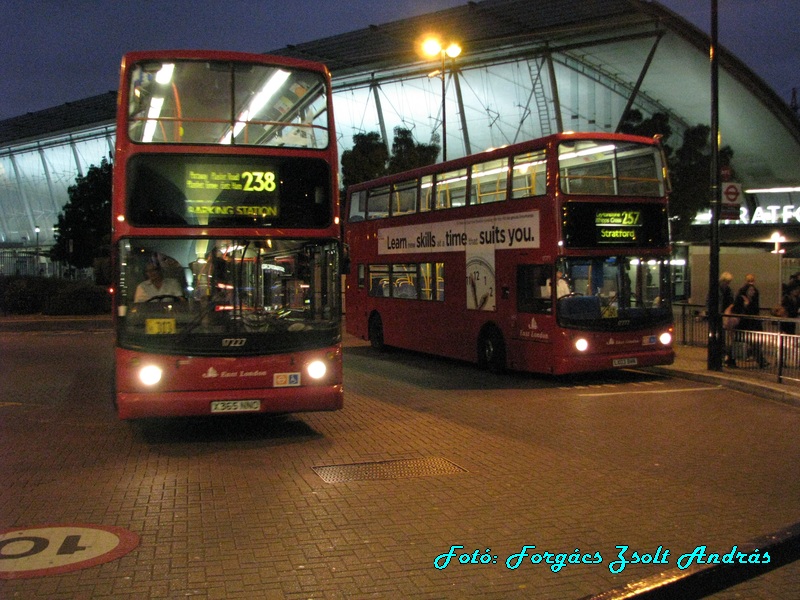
x=502 y=72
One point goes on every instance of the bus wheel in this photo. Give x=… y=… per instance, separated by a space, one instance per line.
x=376 y=332
x=491 y=350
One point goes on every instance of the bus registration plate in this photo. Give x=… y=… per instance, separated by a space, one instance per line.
x=625 y=362
x=228 y=406
x=159 y=326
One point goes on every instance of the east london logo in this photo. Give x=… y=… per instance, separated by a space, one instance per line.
x=212 y=373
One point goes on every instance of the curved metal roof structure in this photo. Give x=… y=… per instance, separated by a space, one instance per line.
x=528 y=68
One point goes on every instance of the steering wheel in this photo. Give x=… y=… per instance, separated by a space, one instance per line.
x=161 y=297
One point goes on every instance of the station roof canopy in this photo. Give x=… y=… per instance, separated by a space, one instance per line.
x=72 y=116
x=639 y=49
x=528 y=68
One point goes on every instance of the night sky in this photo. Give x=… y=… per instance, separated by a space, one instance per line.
x=56 y=51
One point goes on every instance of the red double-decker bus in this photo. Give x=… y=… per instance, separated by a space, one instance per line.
x=549 y=256
x=226 y=236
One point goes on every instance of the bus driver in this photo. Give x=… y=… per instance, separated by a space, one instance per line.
x=155 y=285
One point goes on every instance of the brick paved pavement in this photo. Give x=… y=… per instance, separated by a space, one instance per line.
x=233 y=509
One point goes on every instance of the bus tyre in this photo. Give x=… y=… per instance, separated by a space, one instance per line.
x=375 y=329
x=491 y=350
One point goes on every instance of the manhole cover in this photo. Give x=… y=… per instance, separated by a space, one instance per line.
x=387 y=469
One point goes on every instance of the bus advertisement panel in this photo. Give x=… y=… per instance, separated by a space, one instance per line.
x=225 y=236
x=549 y=256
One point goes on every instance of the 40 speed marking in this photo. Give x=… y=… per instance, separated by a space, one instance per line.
x=27 y=552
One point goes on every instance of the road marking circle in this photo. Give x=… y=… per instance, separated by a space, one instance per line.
x=43 y=550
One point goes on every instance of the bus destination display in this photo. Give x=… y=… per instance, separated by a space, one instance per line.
x=638 y=225
x=219 y=190
x=617 y=227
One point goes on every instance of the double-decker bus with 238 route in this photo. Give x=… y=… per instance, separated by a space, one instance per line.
x=225 y=236
x=547 y=256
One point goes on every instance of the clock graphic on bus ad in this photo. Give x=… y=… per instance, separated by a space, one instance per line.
x=480 y=284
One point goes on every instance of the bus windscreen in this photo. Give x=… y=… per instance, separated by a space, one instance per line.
x=277 y=295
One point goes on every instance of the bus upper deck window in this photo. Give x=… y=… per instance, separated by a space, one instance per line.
x=378 y=203
x=358 y=206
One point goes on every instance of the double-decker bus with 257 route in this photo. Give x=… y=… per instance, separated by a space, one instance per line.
x=548 y=256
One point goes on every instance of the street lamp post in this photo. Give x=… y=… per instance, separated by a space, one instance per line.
x=778 y=239
x=432 y=47
x=36 y=265
x=716 y=334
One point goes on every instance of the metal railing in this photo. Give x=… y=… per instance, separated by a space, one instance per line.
x=770 y=350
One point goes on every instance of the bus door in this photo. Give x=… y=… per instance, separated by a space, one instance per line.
x=533 y=321
x=356 y=300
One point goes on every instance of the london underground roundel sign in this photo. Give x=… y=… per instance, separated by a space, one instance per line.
x=53 y=549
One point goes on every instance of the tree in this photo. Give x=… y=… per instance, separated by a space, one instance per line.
x=691 y=177
x=690 y=166
x=366 y=160
x=635 y=124
x=369 y=158
x=83 y=231
x=407 y=154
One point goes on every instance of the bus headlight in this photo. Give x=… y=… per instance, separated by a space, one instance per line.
x=581 y=344
x=150 y=375
x=317 y=369
x=665 y=338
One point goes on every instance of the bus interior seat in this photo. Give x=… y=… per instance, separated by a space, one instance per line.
x=405 y=290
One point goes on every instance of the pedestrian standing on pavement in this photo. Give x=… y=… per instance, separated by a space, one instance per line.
x=725 y=299
x=746 y=303
x=725 y=292
x=755 y=303
x=794 y=278
x=790 y=303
